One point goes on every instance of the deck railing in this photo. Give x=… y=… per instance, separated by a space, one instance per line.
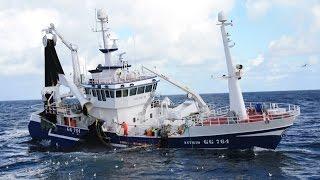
x=265 y=105
x=220 y=116
x=65 y=110
x=116 y=80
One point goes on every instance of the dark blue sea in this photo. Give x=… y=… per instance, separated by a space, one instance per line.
x=297 y=156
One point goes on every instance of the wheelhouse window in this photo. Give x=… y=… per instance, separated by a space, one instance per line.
x=154 y=86
x=87 y=90
x=141 y=89
x=118 y=93
x=149 y=88
x=111 y=93
x=94 y=93
x=133 y=91
x=103 y=95
x=125 y=92
x=99 y=94
x=107 y=93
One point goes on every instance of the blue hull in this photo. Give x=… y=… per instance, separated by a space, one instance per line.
x=230 y=141
x=68 y=137
x=61 y=136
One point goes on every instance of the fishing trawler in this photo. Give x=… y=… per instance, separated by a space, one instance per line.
x=119 y=107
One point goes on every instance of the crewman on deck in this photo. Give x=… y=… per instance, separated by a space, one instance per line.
x=124 y=125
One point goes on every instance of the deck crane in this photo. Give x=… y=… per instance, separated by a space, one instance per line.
x=203 y=107
x=75 y=85
x=74 y=53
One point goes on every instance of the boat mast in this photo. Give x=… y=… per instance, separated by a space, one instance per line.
x=235 y=95
x=103 y=18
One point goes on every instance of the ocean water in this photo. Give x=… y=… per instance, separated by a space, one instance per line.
x=297 y=156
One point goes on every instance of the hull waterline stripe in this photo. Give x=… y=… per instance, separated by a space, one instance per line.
x=61 y=136
x=263 y=131
x=249 y=133
x=275 y=133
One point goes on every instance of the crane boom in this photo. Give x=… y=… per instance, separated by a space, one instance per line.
x=203 y=107
x=74 y=54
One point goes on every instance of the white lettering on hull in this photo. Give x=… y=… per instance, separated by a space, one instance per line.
x=208 y=141
x=74 y=130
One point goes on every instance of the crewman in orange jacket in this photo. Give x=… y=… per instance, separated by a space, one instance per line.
x=124 y=125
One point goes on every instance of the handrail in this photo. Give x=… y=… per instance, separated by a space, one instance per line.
x=117 y=80
x=219 y=117
x=65 y=110
x=224 y=110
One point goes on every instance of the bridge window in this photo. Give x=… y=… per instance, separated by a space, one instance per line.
x=99 y=95
x=141 y=89
x=107 y=94
x=133 y=91
x=103 y=95
x=149 y=88
x=118 y=93
x=94 y=93
x=154 y=86
x=111 y=93
x=87 y=90
x=125 y=92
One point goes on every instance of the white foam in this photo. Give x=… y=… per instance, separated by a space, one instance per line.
x=14 y=133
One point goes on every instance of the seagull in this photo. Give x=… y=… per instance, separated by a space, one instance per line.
x=305 y=65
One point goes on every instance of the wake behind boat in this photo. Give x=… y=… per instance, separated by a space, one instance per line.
x=118 y=106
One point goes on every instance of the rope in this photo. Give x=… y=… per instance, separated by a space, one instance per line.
x=45 y=124
x=99 y=134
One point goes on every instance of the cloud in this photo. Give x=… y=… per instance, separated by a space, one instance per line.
x=182 y=33
x=285 y=55
x=259 y=8
x=257 y=61
x=19 y=29
x=290 y=46
x=19 y=33
x=303 y=42
x=316 y=15
x=313 y=60
x=175 y=32
x=298 y=45
x=179 y=37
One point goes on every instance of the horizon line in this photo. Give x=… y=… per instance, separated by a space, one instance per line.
x=200 y=94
